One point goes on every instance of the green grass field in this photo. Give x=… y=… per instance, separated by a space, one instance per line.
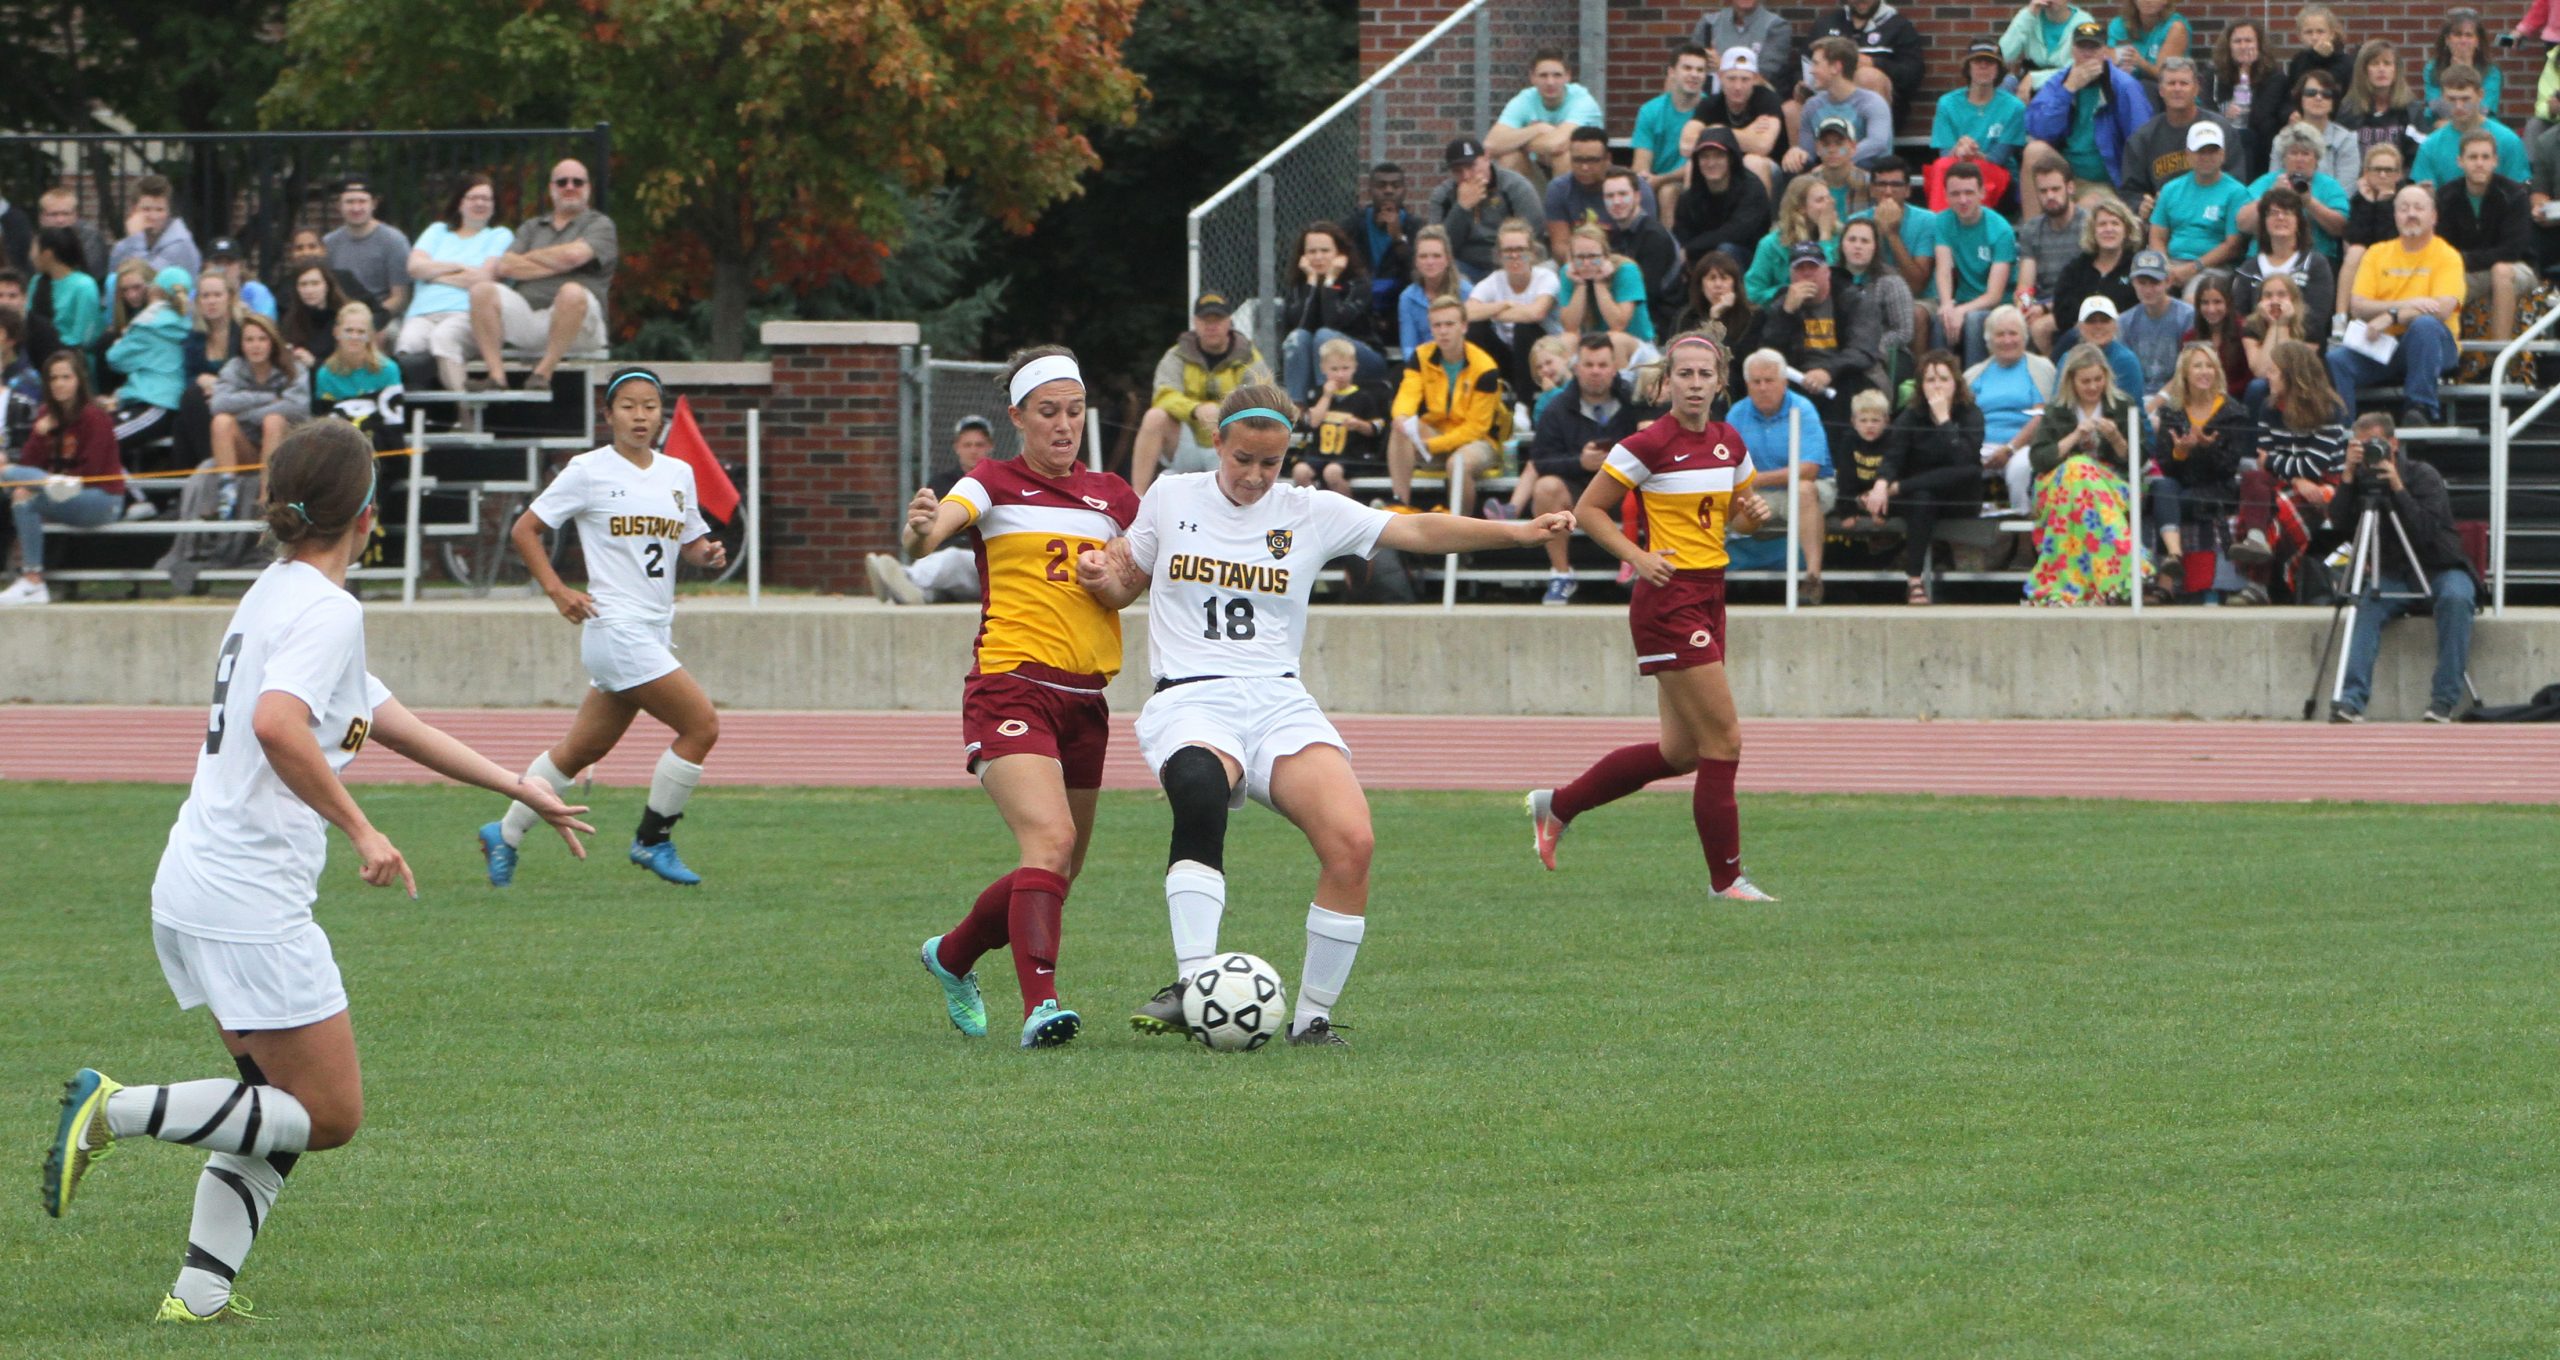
x=1998 y=1079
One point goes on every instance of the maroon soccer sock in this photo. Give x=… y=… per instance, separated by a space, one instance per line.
x=1719 y=823
x=1617 y=774
x=981 y=931
x=1039 y=905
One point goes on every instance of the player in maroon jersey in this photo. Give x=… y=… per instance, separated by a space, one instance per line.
x=1692 y=475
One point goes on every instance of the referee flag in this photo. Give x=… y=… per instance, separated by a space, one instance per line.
x=710 y=480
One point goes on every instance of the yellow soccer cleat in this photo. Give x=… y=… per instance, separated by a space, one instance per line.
x=233 y=1309
x=81 y=1140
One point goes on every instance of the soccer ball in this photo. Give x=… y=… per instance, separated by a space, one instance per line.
x=1235 y=1004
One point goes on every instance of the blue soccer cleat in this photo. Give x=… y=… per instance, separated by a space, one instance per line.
x=1049 y=1025
x=501 y=856
x=660 y=859
x=959 y=994
x=81 y=1139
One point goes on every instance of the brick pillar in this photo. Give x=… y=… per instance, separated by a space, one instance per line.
x=831 y=488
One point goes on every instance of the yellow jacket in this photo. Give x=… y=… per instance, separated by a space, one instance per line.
x=1459 y=414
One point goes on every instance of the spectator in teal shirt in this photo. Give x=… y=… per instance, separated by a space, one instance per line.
x=1539 y=121
x=1601 y=291
x=79 y=312
x=1981 y=122
x=1658 y=125
x=2440 y=155
x=2196 y=223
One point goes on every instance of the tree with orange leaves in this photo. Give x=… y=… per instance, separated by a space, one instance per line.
x=772 y=132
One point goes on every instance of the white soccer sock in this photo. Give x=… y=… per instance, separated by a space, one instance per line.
x=1333 y=943
x=1196 y=897
x=671 y=784
x=217 y=1113
x=232 y=1199
x=520 y=819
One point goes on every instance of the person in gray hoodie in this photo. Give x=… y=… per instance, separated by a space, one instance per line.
x=257 y=396
x=154 y=234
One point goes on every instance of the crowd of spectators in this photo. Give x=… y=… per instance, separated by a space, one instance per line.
x=156 y=353
x=2114 y=255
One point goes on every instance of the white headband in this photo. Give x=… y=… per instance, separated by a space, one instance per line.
x=1048 y=368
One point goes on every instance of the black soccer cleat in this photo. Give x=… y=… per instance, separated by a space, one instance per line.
x=1320 y=1033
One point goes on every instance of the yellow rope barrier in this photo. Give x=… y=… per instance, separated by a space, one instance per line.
x=190 y=472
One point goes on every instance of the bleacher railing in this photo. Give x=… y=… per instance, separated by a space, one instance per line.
x=2502 y=431
x=1235 y=236
x=258 y=187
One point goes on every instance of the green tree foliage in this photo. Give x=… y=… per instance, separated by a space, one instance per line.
x=159 y=65
x=761 y=130
x=1226 y=81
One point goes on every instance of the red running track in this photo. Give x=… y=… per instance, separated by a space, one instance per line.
x=2199 y=762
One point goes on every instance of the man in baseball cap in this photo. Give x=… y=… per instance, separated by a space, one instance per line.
x=2154 y=330
x=2098 y=327
x=2089 y=110
x=1205 y=363
x=1744 y=103
x=2196 y=222
x=1473 y=201
x=222 y=256
x=370 y=255
x=1828 y=330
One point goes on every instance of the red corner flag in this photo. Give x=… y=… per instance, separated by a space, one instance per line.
x=710 y=480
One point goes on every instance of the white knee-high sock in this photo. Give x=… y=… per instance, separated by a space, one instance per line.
x=232 y=1199
x=1196 y=897
x=1333 y=944
x=671 y=784
x=521 y=819
x=217 y=1113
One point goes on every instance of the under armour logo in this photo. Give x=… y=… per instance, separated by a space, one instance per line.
x=615 y=495
x=1186 y=526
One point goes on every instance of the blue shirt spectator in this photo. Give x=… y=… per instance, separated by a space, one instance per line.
x=2089 y=125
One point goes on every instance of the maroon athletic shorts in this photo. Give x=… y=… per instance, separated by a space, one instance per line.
x=1013 y=714
x=1678 y=624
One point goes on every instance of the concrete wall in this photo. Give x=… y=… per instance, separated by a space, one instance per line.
x=1949 y=662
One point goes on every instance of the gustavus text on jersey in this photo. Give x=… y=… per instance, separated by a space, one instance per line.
x=645 y=526
x=1210 y=571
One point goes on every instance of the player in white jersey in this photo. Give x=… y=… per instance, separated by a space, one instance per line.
x=231 y=907
x=636 y=513
x=1231 y=556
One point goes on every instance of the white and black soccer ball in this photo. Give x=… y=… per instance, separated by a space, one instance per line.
x=1235 y=1003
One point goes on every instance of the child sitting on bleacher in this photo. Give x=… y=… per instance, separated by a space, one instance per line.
x=1347 y=424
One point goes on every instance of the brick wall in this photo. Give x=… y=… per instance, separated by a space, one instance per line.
x=1642 y=36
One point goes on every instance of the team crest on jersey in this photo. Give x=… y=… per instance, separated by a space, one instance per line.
x=679 y=502
x=1278 y=541
x=1012 y=727
x=1098 y=503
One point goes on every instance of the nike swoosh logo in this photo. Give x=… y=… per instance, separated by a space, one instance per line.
x=1044 y=972
x=1679 y=458
x=1031 y=491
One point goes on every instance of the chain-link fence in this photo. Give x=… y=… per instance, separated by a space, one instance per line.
x=1449 y=83
x=933 y=398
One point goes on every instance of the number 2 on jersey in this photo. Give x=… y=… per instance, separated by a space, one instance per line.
x=1238 y=625
x=657 y=555
x=221 y=692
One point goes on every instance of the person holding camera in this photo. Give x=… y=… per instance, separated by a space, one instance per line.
x=2379 y=476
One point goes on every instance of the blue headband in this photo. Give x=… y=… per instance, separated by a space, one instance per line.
x=1253 y=412
x=628 y=375
x=373 y=482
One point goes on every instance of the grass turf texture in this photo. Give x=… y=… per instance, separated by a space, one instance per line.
x=1998 y=1078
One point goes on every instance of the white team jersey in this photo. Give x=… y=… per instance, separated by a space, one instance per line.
x=244 y=860
x=631 y=521
x=1231 y=581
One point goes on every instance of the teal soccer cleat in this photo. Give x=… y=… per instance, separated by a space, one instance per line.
x=660 y=859
x=501 y=856
x=959 y=994
x=1049 y=1025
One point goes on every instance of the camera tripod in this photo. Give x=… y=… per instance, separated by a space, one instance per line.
x=2364 y=569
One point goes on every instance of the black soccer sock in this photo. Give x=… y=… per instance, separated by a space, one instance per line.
x=656 y=826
